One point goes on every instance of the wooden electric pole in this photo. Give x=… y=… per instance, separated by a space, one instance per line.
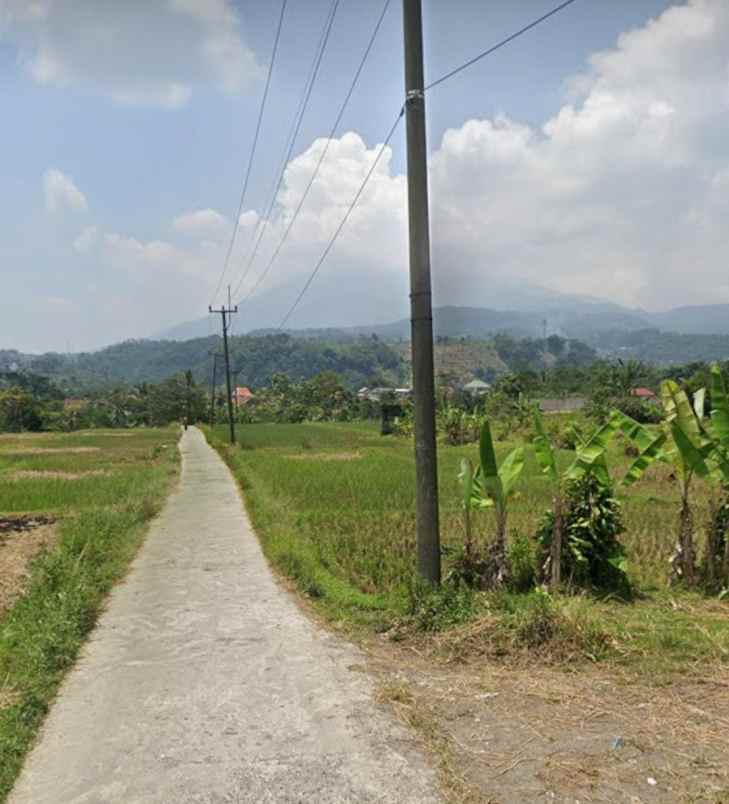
x=225 y=312
x=421 y=316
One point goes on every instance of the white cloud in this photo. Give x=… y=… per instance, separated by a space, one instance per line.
x=61 y=193
x=137 y=52
x=86 y=241
x=622 y=193
x=207 y=224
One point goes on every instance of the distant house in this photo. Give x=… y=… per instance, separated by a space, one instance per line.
x=376 y=394
x=72 y=405
x=476 y=387
x=643 y=393
x=568 y=404
x=242 y=395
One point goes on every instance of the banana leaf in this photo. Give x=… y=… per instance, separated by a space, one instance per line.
x=678 y=410
x=466 y=477
x=543 y=449
x=700 y=403
x=648 y=456
x=719 y=407
x=640 y=435
x=511 y=469
x=590 y=456
x=693 y=457
x=489 y=468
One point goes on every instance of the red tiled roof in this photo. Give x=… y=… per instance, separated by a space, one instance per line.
x=645 y=393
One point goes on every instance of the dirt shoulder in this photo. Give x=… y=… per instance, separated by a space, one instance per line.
x=21 y=540
x=507 y=734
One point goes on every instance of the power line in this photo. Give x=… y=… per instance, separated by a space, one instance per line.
x=307 y=94
x=289 y=143
x=440 y=80
x=343 y=221
x=323 y=154
x=500 y=44
x=253 y=149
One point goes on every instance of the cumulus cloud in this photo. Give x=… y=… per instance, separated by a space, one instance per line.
x=136 y=52
x=61 y=193
x=623 y=193
x=205 y=224
x=620 y=194
x=610 y=195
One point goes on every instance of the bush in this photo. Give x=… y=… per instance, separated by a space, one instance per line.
x=438 y=608
x=521 y=561
x=592 y=556
x=643 y=412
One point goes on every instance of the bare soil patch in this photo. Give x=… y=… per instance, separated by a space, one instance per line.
x=51 y=474
x=548 y=734
x=21 y=539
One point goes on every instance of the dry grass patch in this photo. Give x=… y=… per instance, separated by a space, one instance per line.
x=49 y=451
x=53 y=474
x=8 y=697
x=325 y=456
x=509 y=734
x=21 y=540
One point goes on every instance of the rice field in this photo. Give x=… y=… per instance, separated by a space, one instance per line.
x=334 y=507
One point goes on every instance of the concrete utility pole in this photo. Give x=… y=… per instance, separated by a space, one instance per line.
x=421 y=316
x=215 y=357
x=225 y=312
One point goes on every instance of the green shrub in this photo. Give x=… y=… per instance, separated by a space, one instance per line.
x=592 y=555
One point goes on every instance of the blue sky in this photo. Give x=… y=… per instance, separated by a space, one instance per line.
x=120 y=119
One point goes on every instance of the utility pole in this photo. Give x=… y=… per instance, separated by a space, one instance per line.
x=225 y=312
x=215 y=357
x=421 y=315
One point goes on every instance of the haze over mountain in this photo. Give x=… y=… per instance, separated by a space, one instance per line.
x=366 y=305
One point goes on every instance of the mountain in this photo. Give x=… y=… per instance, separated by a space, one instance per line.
x=365 y=301
x=705 y=319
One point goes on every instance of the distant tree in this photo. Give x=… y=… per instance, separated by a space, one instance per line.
x=19 y=411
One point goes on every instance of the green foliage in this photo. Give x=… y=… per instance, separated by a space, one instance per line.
x=592 y=555
x=436 y=609
x=637 y=409
x=522 y=562
x=321 y=398
x=19 y=411
x=357 y=361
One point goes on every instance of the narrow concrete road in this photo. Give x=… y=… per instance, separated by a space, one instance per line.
x=203 y=681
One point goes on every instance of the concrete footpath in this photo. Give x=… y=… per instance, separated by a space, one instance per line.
x=203 y=681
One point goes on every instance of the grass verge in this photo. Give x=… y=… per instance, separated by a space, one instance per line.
x=41 y=635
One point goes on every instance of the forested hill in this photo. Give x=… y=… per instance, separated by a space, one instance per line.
x=365 y=360
x=358 y=362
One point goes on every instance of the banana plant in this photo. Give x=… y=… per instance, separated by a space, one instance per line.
x=687 y=444
x=490 y=486
x=471 y=501
x=497 y=482
x=548 y=461
x=590 y=458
